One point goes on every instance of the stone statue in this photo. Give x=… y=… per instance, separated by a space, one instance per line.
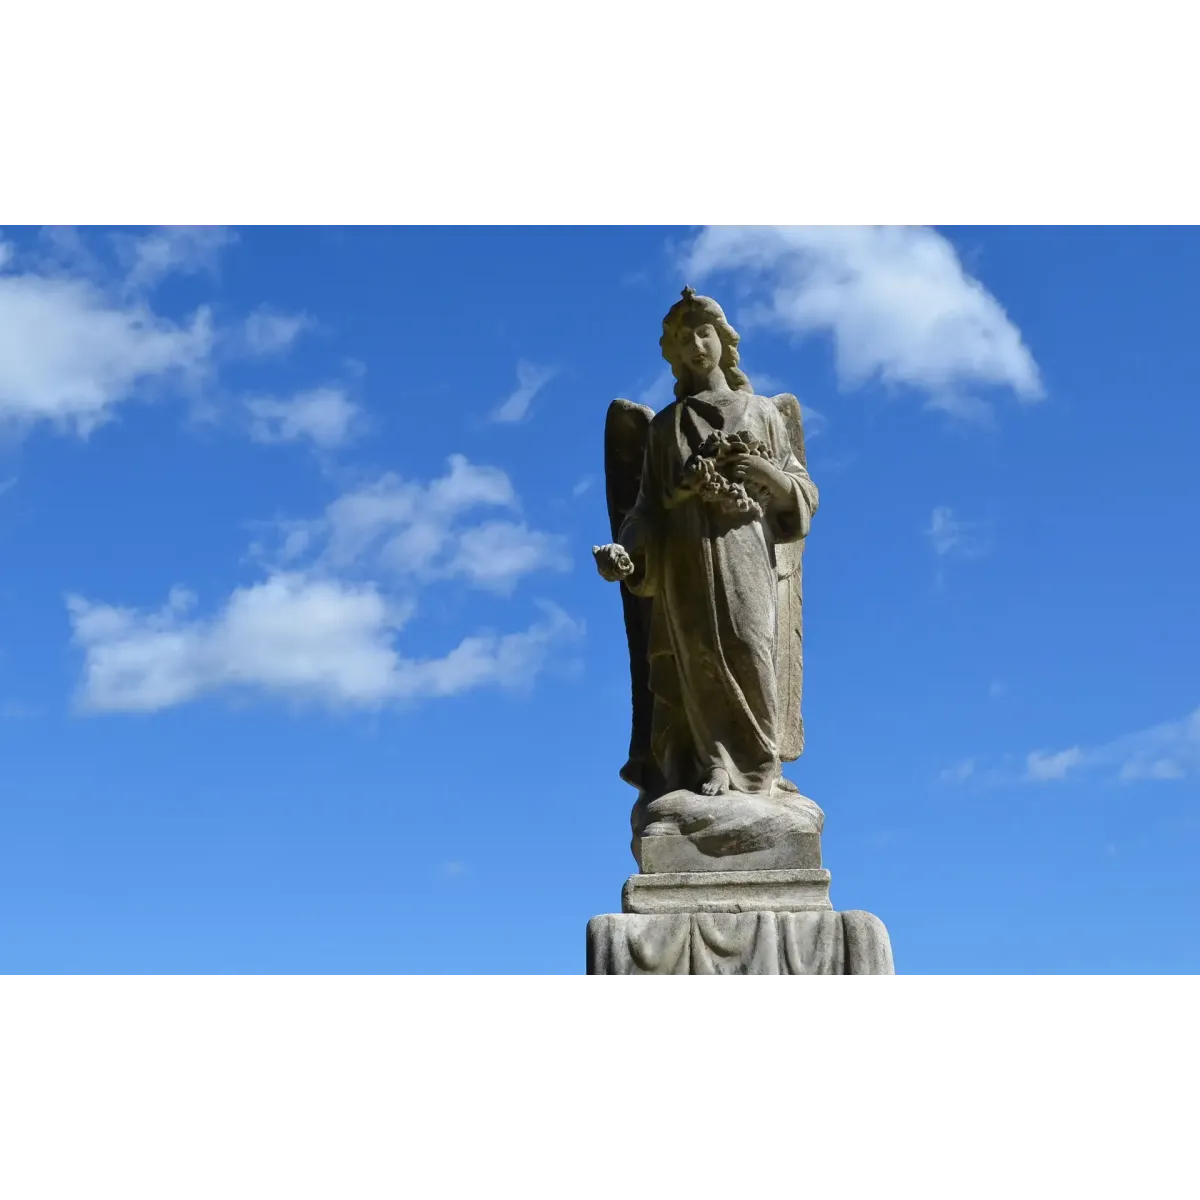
x=710 y=503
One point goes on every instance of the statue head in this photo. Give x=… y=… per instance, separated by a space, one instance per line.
x=688 y=315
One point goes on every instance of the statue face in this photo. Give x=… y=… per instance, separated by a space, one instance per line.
x=698 y=347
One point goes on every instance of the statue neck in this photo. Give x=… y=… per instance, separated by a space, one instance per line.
x=713 y=381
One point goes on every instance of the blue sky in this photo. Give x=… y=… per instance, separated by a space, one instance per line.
x=304 y=665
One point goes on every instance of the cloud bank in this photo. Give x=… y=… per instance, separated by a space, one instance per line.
x=322 y=626
x=79 y=338
x=304 y=638
x=896 y=301
x=70 y=352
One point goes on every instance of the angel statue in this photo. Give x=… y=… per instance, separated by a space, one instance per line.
x=710 y=502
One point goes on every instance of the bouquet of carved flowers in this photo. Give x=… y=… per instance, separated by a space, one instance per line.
x=703 y=475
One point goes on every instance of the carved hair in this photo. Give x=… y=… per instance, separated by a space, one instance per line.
x=695 y=307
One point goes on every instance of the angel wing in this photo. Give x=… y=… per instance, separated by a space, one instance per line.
x=789 y=572
x=625 y=432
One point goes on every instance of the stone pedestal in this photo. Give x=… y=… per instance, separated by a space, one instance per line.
x=746 y=943
x=732 y=886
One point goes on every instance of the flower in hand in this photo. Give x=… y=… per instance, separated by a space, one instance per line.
x=734 y=472
x=613 y=562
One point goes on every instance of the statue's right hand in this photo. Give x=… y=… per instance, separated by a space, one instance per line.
x=613 y=562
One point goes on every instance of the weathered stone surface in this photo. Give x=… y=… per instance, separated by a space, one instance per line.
x=753 y=943
x=685 y=831
x=868 y=947
x=727 y=892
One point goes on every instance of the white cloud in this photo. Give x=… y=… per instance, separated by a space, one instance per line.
x=496 y=554
x=171 y=249
x=70 y=353
x=530 y=380
x=363 y=520
x=959 y=773
x=77 y=339
x=896 y=301
x=320 y=626
x=304 y=637
x=950 y=536
x=420 y=531
x=326 y=416
x=582 y=486
x=266 y=332
x=288 y=633
x=1158 y=768
x=63 y=250
x=1168 y=751
x=1041 y=767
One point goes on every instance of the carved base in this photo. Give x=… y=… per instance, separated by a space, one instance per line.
x=687 y=832
x=748 y=943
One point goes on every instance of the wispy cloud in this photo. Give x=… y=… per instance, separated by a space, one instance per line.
x=815 y=423
x=169 y=250
x=325 y=416
x=951 y=537
x=1041 y=767
x=1166 y=752
x=958 y=773
x=896 y=300
x=266 y=332
x=530 y=380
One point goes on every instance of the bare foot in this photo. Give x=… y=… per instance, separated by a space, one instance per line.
x=717 y=783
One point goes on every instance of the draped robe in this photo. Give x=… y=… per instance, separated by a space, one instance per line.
x=711 y=575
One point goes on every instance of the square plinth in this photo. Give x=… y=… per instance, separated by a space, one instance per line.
x=673 y=853
x=727 y=892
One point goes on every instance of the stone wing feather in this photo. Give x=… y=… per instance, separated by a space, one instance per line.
x=626 y=430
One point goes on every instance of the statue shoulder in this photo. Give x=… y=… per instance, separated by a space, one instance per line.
x=665 y=416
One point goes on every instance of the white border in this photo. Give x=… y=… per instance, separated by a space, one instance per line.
x=550 y=113
x=361 y=1087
